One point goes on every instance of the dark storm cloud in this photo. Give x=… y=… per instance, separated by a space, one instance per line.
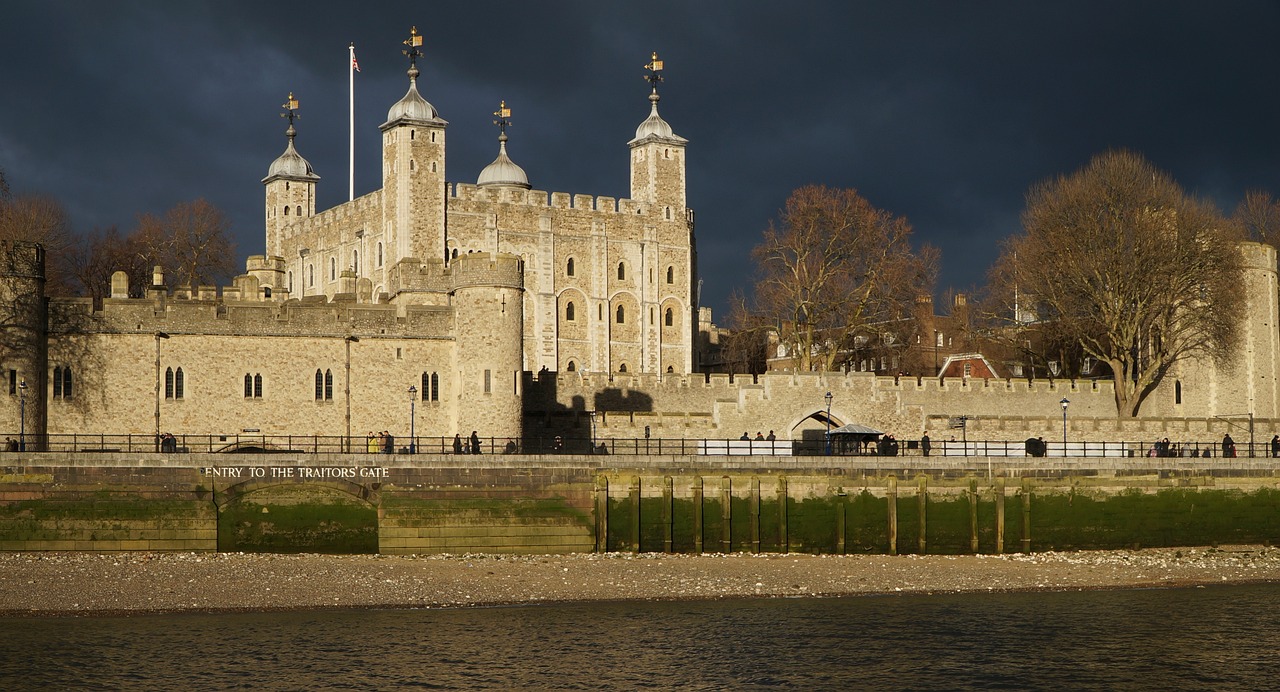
x=941 y=112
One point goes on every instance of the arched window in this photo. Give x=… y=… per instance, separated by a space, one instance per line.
x=299 y=210
x=168 y=383
x=266 y=292
x=1177 y=392
x=670 y=317
x=622 y=315
x=670 y=369
x=426 y=386
x=177 y=384
x=568 y=269
x=455 y=253
x=333 y=268
x=286 y=210
x=311 y=275
x=622 y=367
x=328 y=384
x=379 y=254
x=600 y=311
x=571 y=366
x=671 y=275
x=319 y=385
x=57 y=382
x=355 y=262
x=248 y=386
x=435 y=386
x=622 y=271
x=66 y=383
x=291 y=281
x=257 y=386
x=568 y=311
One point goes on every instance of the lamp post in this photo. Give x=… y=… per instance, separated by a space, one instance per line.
x=22 y=415
x=828 y=437
x=349 y=340
x=1065 y=403
x=413 y=399
x=159 y=336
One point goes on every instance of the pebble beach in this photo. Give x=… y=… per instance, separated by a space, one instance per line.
x=116 y=584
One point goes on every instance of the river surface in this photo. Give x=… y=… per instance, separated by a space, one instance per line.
x=1223 y=637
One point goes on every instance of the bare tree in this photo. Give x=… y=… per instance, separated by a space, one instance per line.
x=191 y=241
x=1118 y=259
x=92 y=262
x=832 y=265
x=1257 y=218
x=40 y=219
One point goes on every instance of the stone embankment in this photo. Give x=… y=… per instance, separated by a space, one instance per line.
x=43 y=584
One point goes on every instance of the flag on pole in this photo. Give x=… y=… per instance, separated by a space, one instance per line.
x=354 y=65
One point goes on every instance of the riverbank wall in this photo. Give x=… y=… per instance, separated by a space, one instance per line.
x=422 y=504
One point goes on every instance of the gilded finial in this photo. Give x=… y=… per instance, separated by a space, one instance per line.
x=654 y=66
x=290 y=111
x=503 y=122
x=414 y=43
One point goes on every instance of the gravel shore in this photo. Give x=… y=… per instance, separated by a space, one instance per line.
x=46 y=584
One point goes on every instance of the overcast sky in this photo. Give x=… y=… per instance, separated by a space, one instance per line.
x=942 y=112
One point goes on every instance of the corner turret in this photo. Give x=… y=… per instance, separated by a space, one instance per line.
x=413 y=207
x=657 y=158
x=290 y=186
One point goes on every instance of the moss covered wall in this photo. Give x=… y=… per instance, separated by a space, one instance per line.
x=541 y=505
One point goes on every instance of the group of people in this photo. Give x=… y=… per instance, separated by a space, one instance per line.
x=470 y=446
x=1165 y=448
x=380 y=443
x=760 y=437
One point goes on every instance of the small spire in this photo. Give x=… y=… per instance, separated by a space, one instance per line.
x=413 y=52
x=290 y=111
x=504 y=120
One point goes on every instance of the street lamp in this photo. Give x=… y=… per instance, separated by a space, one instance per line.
x=349 y=340
x=22 y=415
x=413 y=399
x=828 y=438
x=1065 y=403
x=159 y=336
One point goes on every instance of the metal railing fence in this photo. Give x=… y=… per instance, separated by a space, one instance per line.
x=550 y=444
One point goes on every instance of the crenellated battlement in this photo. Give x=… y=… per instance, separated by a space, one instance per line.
x=313 y=317
x=357 y=211
x=545 y=200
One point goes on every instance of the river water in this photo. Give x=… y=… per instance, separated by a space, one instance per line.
x=1222 y=637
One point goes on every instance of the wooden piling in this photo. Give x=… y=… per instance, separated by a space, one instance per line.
x=783 y=537
x=892 y=496
x=697 y=515
x=922 y=498
x=1026 y=515
x=602 y=514
x=753 y=514
x=635 y=514
x=667 y=513
x=999 y=516
x=726 y=528
x=973 y=515
x=842 y=501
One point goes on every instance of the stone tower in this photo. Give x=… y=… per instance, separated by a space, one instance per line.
x=488 y=302
x=290 y=187
x=413 y=182
x=1247 y=381
x=24 y=351
x=657 y=159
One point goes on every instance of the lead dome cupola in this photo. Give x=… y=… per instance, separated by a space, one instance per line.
x=290 y=164
x=503 y=172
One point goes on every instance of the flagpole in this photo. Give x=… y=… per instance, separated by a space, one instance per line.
x=351 y=104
